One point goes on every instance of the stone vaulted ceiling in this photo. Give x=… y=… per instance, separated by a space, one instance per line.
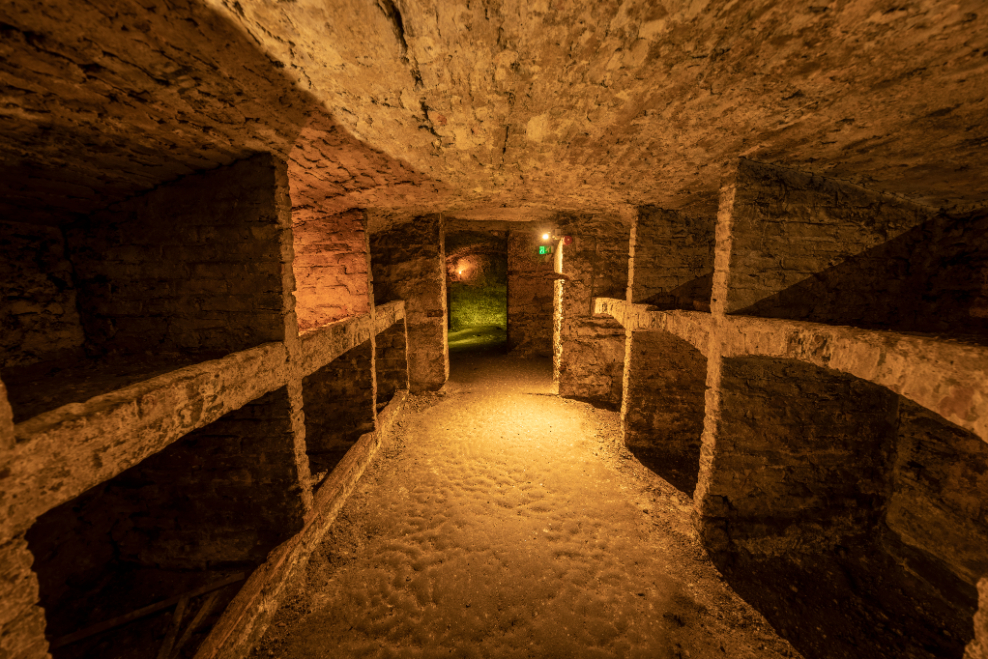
x=511 y=109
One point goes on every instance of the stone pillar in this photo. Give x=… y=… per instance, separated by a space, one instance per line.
x=408 y=263
x=978 y=648
x=22 y=621
x=671 y=264
x=590 y=360
x=530 y=293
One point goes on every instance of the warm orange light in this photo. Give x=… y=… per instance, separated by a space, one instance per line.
x=545 y=236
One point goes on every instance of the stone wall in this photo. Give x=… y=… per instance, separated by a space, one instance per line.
x=339 y=407
x=939 y=501
x=662 y=410
x=590 y=364
x=22 y=621
x=220 y=498
x=390 y=363
x=408 y=263
x=790 y=230
x=672 y=259
x=802 y=459
x=978 y=648
x=38 y=314
x=224 y=494
x=530 y=293
x=331 y=265
x=193 y=265
x=932 y=278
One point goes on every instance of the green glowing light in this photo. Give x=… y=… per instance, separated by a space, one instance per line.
x=545 y=249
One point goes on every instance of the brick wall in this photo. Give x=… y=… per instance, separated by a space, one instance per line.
x=193 y=265
x=591 y=347
x=672 y=259
x=408 y=263
x=332 y=273
x=662 y=410
x=803 y=456
x=339 y=406
x=785 y=227
x=38 y=314
x=390 y=363
x=530 y=294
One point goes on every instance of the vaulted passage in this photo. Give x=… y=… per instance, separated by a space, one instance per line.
x=503 y=522
x=493 y=329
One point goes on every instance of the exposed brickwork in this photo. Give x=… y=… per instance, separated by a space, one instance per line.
x=332 y=273
x=22 y=622
x=591 y=362
x=663 y=404
x=530 y=293
x=408 y=263
x=37 y=295
x=672 y=259
x=339 y=406
x=192 y=265
x=391 y=363
x=787 y=226
x=939 y=502
x=802 y=457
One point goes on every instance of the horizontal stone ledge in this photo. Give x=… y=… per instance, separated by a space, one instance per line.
x=691 y=326
x=60 y=454
x=387 y=314
x=950 y=379
x=323 y=345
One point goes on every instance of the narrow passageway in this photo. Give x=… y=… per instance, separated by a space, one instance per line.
x=504 y=521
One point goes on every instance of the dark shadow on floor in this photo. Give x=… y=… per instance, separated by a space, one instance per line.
x=855 y=602
x=681 y=470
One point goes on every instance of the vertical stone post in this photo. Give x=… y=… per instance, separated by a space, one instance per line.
x=409 y=263
x=978 y=648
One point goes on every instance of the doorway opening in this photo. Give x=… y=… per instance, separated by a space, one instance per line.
x=477 y=290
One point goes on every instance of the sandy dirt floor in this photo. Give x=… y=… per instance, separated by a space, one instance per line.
x=504 y=521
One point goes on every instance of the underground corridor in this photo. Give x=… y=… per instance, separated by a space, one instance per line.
x=528 y=330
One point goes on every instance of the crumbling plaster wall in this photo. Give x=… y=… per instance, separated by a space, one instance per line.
x=38 y=315
x=530 y=292
x=590 y=364
x=408 y=263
